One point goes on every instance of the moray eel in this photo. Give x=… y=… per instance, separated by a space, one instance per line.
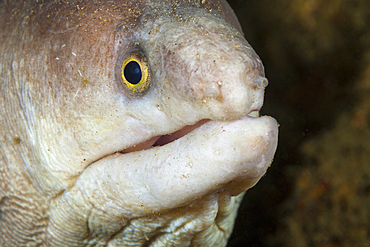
x=127 y=123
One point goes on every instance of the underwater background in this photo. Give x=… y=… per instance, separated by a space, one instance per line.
x=317 y=59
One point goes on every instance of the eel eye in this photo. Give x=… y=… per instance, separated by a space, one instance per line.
x=132 y=72
x=134 y=76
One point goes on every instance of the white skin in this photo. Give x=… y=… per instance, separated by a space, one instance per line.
x=77 y=162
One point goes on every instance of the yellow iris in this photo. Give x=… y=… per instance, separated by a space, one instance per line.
x=135 y=74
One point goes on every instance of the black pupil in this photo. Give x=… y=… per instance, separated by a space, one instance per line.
x=132 y=72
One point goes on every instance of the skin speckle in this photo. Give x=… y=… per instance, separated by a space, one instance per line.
x=84 y=81
x=17 y=140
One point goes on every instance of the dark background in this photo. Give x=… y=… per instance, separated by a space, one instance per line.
x=316 y=57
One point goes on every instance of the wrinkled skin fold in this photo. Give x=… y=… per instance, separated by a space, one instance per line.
x=87 y=160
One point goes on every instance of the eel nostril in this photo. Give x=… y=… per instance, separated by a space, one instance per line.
x=261 y=82
x=212 y=90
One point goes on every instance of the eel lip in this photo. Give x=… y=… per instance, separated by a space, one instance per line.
x=165 y=139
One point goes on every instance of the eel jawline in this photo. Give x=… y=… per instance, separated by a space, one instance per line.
x=230 y=155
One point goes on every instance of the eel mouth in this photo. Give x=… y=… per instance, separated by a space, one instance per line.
x=170 y=171
x=165 y=139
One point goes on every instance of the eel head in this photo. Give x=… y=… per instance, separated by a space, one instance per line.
x=145 y=129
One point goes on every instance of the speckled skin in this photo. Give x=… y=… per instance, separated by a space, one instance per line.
x=69 y=173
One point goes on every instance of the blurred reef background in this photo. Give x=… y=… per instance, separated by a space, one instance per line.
x=317 y=59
